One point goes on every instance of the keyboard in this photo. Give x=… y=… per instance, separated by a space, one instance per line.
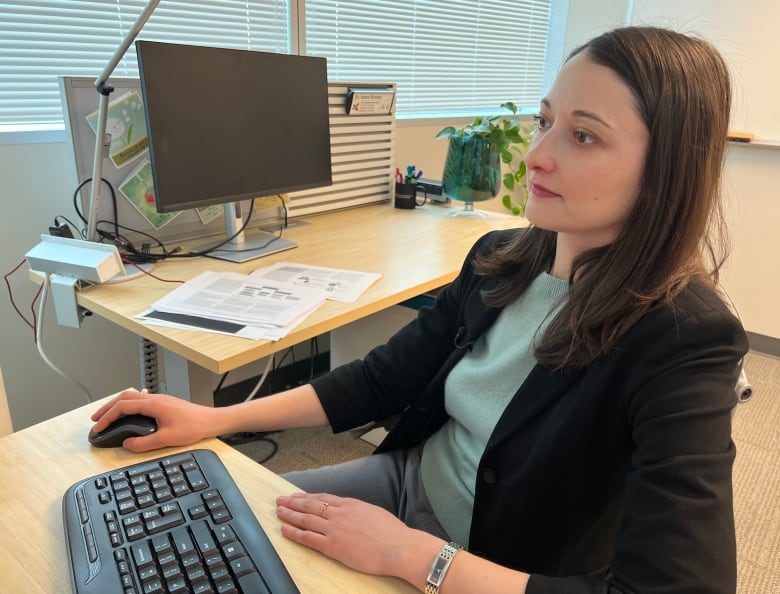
x=174 y=525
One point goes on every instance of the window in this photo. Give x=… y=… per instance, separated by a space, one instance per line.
x=447 y=56
x=42 y=40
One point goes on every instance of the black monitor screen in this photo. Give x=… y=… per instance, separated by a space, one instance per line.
x=226 y=125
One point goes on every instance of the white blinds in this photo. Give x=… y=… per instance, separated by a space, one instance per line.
x=43 y=39
x=445 y=55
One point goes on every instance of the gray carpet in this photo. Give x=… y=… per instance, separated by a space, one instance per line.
x=756 y=433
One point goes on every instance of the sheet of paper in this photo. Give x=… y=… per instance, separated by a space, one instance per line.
x=163 y=319
x=238 y=298
x=341 y=285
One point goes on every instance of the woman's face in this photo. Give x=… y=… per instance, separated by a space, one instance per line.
x=586 y=159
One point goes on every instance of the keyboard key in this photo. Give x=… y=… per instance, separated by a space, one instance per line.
x=202 y=537
x=182 y=541
x=202 y=587
x=196 y=480
x=177 y=586
x=142 y=554
x=252 y=582
x=153 y=586
x=226 y=586
x=242 y=566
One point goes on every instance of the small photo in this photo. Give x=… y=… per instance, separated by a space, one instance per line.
x=138 y=188
x=210 y=213
x=126 y=125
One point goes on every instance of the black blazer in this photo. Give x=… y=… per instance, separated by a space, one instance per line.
x=616 y=478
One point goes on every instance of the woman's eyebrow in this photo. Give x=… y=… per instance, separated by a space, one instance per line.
x=581 y=113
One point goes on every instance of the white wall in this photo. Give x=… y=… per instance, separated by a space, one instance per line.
x=37 y=184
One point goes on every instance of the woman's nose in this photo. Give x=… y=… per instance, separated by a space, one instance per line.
x=539 y=154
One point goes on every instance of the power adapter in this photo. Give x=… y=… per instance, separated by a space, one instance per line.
x=433 y=189
x=60 y=230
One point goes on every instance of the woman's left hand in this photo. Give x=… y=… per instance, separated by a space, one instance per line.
x=360 y=535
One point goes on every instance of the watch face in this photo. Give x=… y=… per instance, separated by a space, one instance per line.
x=436 y=573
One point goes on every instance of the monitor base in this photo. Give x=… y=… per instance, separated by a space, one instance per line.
x=256 y=245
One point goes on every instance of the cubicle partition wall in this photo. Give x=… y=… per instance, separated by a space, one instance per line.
x=362 y=147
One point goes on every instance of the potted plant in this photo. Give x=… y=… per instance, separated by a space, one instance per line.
x=472 y=169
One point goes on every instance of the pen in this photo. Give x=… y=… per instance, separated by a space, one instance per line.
x=398 y=177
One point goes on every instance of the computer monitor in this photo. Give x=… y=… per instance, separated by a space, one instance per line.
x=227 y=125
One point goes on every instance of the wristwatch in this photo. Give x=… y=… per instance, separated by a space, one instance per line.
x=440 y=566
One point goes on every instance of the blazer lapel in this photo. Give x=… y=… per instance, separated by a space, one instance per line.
x=540 y=389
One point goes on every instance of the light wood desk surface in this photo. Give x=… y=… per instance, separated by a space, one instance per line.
x=39 y=463
x=415 y=251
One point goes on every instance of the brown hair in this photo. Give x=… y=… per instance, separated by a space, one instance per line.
x=676 y=230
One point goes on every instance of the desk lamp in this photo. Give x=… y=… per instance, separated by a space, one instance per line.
x=102 y=139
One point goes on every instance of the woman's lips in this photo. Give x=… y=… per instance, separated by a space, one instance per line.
x=541 y=192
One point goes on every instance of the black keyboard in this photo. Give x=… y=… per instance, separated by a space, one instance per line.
x=173 y=525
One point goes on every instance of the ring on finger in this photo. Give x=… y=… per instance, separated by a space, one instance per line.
x=142 y=393
x=323 y=507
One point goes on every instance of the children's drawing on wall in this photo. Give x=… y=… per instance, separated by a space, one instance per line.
x=126 y=125
x=138 y=188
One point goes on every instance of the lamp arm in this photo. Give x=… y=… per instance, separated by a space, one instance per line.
x=105 y=90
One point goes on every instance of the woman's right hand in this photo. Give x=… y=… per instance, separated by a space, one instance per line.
x=179 y=422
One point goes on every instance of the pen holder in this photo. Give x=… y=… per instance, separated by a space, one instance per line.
x=406 y=195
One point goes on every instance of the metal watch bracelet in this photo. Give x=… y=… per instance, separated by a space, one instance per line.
x=440 y=566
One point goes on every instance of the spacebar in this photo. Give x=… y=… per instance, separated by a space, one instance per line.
x=252 y=582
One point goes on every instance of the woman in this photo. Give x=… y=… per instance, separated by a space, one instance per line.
x=565 y=403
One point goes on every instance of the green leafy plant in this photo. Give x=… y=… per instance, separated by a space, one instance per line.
x=511 y=139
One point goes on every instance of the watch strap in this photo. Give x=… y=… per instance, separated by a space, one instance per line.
x=440 y=567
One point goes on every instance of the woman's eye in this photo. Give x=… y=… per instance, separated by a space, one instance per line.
x=583 y=137
x=541 y=121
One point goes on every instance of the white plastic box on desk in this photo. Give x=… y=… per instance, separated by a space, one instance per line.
x=354 y=340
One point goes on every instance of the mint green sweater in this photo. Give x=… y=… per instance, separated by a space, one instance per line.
x=477 y=391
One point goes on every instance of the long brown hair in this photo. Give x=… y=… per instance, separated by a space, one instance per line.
x=676 y=230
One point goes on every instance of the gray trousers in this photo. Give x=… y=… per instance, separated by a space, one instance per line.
x=390 y=480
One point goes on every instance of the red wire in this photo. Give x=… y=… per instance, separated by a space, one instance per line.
x=34 y=322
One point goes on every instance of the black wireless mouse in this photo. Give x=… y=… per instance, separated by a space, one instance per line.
x=124 y=427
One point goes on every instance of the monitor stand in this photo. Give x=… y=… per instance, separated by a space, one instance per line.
x=255 y=245
x=244 y=245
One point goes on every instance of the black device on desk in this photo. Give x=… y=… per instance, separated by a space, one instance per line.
x=176 y=524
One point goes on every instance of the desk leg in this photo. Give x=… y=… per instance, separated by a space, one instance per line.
x=187 y=380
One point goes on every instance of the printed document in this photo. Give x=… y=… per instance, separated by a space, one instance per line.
x=341 y=285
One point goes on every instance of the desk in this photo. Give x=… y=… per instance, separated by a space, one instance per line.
x=415 y=251
x=39 y=463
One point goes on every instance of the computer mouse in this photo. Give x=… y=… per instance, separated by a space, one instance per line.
x=124 y=427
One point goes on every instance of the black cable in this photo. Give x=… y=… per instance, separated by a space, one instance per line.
x=245 y=437
x=140 y=256
x=221 y=381
x=274 y=449
x=236 y=234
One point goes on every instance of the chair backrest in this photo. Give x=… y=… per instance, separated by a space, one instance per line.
x=6 y=426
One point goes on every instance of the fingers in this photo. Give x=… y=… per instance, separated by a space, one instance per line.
x=144 y=444
x=304 y=509
x=128 y=402
x=129 y=393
